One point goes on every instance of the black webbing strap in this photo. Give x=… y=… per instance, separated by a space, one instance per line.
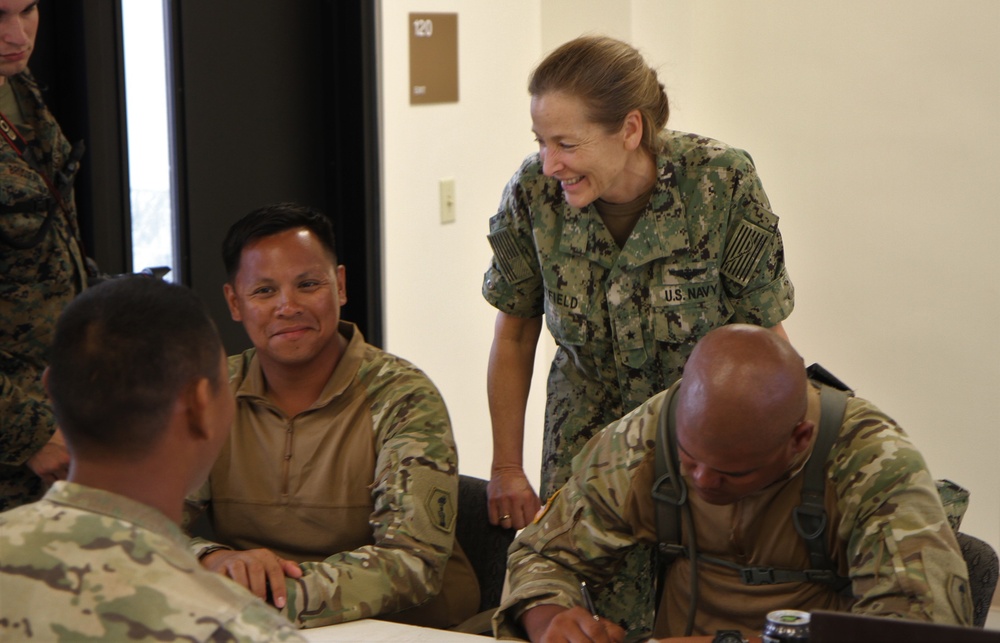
x=669 y=490
x=670 y=499
x=809 y=517
x=772 y=576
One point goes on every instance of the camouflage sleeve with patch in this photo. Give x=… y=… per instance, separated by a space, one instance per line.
x=753 y=266
x=513 y=282
x=902 y=554
x=415 y=493
x=585 y=529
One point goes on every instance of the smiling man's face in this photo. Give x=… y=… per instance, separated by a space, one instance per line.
x=287 y=293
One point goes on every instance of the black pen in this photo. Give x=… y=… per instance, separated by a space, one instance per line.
x=587 y=601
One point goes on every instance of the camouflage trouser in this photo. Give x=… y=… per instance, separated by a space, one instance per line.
x=630 y=596
x=628 y=599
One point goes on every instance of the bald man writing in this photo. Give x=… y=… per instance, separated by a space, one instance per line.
x=746 y=421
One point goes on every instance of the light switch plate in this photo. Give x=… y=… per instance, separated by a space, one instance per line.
x=447 y=189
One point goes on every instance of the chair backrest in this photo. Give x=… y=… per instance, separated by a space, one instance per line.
x=485 y=544
x=983 y=568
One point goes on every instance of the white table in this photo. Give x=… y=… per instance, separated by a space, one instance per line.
x=371 y=630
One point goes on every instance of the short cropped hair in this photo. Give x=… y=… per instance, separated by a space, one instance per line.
x=611 y=78
x=270 y=220
x=123 y=352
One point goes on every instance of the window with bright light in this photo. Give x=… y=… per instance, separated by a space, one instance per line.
x=148 y=134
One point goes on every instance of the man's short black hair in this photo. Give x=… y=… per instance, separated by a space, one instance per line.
x=269 y=220
x=123 y=351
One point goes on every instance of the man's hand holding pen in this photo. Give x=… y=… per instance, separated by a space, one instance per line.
x=551 y=623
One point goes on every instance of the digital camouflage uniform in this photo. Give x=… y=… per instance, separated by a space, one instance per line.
x=886 y=531
x=88 y=565
x=361 y=489
x=41 y=270
x=706 y=252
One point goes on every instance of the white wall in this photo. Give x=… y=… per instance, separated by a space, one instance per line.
x=435 y=315
x=874 y=127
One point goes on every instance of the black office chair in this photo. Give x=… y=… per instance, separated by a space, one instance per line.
x=983 y=569
x=485 y=544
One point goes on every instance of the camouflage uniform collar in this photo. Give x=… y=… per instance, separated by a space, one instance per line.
x=99 y=501
x=661 y=230
x=249 y=382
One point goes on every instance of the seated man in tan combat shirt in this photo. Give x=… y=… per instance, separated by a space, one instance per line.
x=336 y=494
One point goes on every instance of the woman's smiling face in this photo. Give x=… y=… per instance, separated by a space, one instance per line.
x=588 y=162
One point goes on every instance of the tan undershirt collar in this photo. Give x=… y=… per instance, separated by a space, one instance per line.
x=620 y=218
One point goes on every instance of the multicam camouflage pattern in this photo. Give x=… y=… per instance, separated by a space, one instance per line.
x=37 y=279
x=87 y=565
x=386 y=547
x=888 y=533
x=707 y=252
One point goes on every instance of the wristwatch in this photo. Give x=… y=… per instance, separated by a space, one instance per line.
x=729 y=636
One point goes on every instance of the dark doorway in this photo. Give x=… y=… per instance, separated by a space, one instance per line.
x=270 y=101
x=78 y=64
x=275 y=102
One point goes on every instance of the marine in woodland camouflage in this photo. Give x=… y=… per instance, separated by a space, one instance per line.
x=87 y=565
x=707 y=252
x=889 y=532
x=41 y=270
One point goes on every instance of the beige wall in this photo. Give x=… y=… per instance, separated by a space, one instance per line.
x=874 y=127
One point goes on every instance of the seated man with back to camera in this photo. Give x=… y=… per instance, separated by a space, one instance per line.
x=747 y=419
x=137 y=379
x=336 y=495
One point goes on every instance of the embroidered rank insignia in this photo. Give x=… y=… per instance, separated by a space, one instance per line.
x=745 y=250
x=513 y=264
x=441 y=509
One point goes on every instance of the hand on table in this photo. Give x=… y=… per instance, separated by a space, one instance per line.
x=256 y=569
x=512 y=502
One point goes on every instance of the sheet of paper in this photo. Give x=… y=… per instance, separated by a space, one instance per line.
x=372 y=631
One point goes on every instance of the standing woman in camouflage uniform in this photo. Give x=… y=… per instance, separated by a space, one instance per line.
x=41 y=261
x=633 y=241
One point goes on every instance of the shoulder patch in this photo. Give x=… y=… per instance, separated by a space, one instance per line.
x=744 y=251
x=441 y=509
x=959 y=595
x=512 y=262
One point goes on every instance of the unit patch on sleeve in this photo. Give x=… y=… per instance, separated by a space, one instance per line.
x=512 y=262
x=744 y=251
x=441 y=509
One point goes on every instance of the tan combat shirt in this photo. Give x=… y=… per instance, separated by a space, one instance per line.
x=361 y=488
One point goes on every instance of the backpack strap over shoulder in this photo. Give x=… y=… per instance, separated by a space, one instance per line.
x=671 y=494
x=669 y=489
x=809 y=517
